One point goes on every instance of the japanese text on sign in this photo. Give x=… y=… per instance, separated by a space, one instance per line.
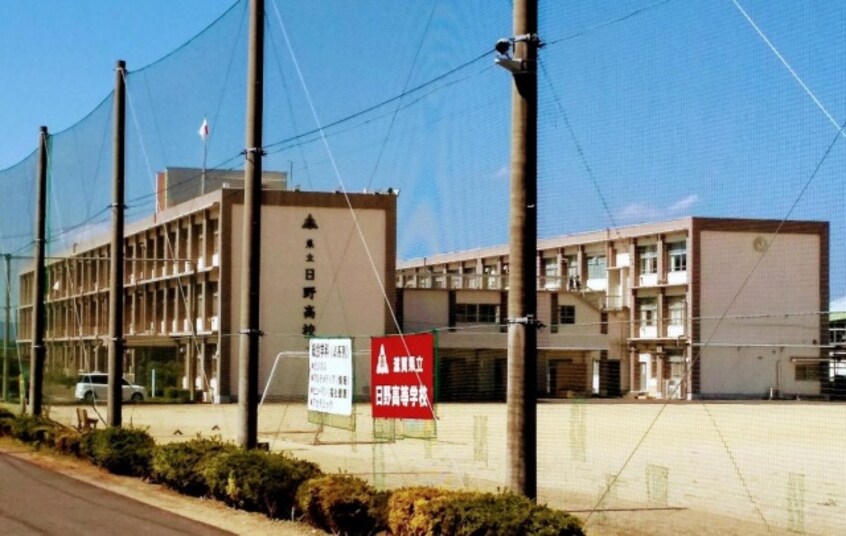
x=330 y=386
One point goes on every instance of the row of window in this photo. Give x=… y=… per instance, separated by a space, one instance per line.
x=598 y=264
x=648 y=311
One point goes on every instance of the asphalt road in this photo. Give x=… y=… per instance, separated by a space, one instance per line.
x=38 y=501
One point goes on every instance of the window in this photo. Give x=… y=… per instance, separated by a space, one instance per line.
x=572 y=266
x=567 y=314
x=648 y=309
x=550 y=267
x=475 y=313
x=807 y=372
x=596 y=267
x=678 y=256
x=550 y=273
x=648 y=256
x=676 y=308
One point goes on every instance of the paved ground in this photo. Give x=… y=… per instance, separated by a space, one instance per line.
x=625 y=468
x=38 y=501
x=208 y=517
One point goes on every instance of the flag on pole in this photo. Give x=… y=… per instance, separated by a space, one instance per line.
x=204 y=130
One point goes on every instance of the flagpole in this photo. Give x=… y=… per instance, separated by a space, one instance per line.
x=204 y=134
x=205 y=155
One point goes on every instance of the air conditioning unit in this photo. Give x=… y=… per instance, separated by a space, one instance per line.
x=186 y=325
x=187 y=266
x=215 y=323
x=201 y=324
x=215 y=260
x=201 y=263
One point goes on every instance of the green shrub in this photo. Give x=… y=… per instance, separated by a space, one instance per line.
x=180 y=466
x=405 y=515
x=6 y=419
x=257 y=480
x=342 y=504
x=123 y=451
x=175 y=394
x=29 y=429
x=60 y=378
x=67 y=441
x=420 y=511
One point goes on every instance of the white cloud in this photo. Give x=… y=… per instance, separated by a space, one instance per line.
x=643 y=212
x=639 y=212
x=684 y=204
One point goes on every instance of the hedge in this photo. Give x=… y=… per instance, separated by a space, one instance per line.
x=180 y=466
x=258 y=481
x=123 y=451
x=424 y=511
x=343 y=504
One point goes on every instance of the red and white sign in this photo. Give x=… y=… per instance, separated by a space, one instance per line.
x=402 y=376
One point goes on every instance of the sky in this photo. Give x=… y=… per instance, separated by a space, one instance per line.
x=649 y=109
x=57 y=58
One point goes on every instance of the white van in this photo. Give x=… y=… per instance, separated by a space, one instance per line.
x=95 y=385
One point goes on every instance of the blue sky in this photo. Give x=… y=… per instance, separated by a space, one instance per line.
x=57 y=58
x=649 y=109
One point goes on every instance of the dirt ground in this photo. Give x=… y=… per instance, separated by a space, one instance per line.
x=624 y=468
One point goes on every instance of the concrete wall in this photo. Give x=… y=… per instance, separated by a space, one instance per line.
x=348 y=301
x=750 y=331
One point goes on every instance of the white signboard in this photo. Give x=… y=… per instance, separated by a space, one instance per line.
x=330 y=386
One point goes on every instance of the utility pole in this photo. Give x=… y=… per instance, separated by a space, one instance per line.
x=36 y=367
x=521 y=397
x=6 y=327
x=249 y=345
x=191 y=349
x=116 y=342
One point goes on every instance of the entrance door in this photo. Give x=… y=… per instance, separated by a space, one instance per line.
x=647 y=381
x=596 y=377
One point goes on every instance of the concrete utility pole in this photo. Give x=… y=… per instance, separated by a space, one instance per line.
x=36 y=367
x=6 y=327
x=521 y=397
x=249 y=348
x=116 y=342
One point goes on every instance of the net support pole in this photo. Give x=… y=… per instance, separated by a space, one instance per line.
x=248 y=362
x=36 y=367
x=6 y=326
x=191 y=349
x=116 y=298
x=521 y=396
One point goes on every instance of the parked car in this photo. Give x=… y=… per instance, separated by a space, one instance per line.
x=95 y=385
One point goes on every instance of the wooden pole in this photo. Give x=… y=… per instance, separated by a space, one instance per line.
x=250 y=332
x=36 y=368
x=521 y=397
x=116 y=298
